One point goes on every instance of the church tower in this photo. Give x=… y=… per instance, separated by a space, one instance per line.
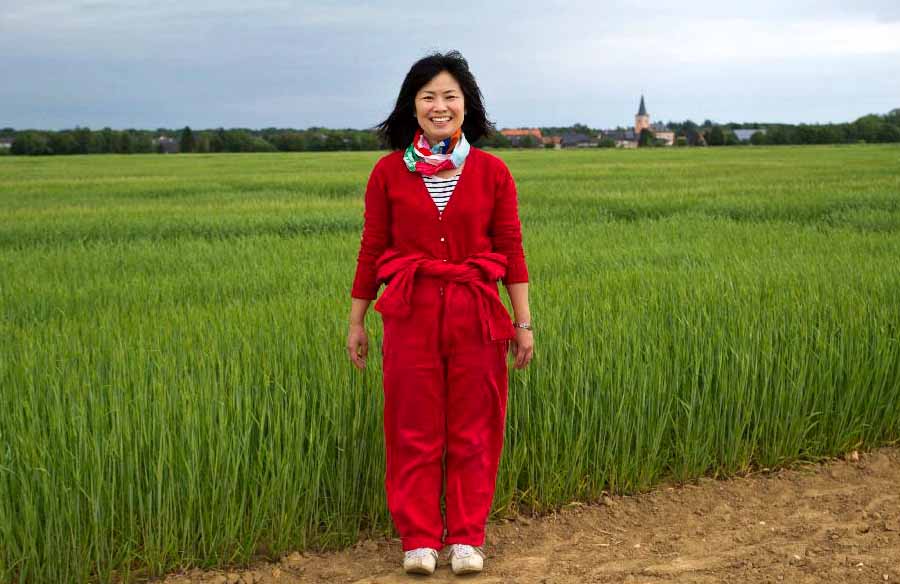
x=642 y=119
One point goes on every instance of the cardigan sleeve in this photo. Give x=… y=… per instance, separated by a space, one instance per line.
x=506 y=230
x=375 y=236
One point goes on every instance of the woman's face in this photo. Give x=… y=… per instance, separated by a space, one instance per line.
x=440 y=107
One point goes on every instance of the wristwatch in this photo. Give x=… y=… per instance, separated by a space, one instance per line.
x=523 y=325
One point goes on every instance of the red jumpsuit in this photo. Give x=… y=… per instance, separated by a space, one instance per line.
x=446 y=335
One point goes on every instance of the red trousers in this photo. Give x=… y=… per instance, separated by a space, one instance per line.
x=445 y=392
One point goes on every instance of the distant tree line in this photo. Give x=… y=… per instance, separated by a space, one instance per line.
x=163 y=140
x=78 y=141
x=872 y=128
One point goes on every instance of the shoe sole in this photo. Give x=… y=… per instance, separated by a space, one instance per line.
x=466 y=569
x=419 y=570
x=463 y=571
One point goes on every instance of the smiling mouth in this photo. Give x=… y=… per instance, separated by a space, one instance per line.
x=441 y=120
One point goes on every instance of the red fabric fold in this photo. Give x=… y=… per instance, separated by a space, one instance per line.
x=477 y=271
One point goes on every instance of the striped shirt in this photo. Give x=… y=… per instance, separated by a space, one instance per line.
x=440 y=189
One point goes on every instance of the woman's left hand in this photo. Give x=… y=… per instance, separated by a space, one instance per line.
x=522 y=347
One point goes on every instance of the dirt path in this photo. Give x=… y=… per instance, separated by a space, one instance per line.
x=832 y=522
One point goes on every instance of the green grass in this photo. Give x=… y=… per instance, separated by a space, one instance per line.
x=176 y=390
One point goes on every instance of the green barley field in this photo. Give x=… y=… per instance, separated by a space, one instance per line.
x=174 y=380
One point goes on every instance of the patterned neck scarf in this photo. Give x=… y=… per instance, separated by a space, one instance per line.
x=428 y=160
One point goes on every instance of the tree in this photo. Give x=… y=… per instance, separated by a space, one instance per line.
x=83 y=139
x=62 y=143
x=867 y=128
x=368 y=141
x=333 y=142
x=716 y=137
x=32 y=143
x=778 y=135
x=889 y=133
x=106 y=141
x=126 y=145
x=217 y=141
x=315 y=140
x=647 y=137
x=893 y=117
x=187 y=140
x=693 y=136
x=581 y=129
x=758 y=138
x=606 y=142
x=806 y=134
x=494 y=140
x=142 y=142
x=258 y=144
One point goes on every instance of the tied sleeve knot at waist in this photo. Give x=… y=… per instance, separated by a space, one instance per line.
x=477 y=271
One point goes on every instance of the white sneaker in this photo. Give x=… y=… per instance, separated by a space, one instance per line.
x=420 y=561
x=466 y=559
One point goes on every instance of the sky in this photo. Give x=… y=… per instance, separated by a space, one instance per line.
x=274 y=63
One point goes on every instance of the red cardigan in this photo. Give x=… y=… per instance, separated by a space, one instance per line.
x=481 y=216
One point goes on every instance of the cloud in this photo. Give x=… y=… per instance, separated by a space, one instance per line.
x=271 y=62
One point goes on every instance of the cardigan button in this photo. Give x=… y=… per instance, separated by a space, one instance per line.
x=442 y=239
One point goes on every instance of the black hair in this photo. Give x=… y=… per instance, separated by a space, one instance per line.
x=398 y=129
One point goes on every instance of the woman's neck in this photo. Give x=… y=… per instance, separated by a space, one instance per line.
x=432 y=142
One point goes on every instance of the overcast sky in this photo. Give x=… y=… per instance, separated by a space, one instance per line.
x=261 y=63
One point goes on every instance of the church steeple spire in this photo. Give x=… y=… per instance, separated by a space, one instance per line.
x=642 y=118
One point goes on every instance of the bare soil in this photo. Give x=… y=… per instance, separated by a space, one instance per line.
x=837 y=521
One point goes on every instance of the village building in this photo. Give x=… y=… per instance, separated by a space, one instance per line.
x=667 y=136
x=631 y=138
x=554 y=142
x=577 y=140
x=622 y=138
x=517 y=137
x=641 y=119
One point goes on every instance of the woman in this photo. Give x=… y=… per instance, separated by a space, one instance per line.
x=441 y=227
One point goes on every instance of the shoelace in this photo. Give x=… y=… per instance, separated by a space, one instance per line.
x=418 y=553
x=461 y=550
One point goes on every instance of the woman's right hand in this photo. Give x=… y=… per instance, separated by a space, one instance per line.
x=358 y=345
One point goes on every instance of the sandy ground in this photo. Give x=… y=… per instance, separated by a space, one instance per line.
x=837 y=521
